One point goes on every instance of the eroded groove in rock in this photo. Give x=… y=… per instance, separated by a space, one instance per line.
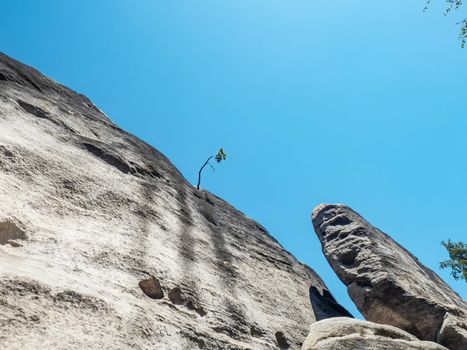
x=111 y=159
x=41 y=114
x=35 y=111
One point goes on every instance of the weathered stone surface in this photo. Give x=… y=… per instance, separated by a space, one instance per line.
x=387 y=283
x=342 y=333
x=453 y=332
x=88 y=211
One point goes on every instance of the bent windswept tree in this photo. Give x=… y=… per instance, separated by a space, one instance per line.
x=219 y=157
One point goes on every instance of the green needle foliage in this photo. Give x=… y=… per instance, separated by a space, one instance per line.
x=457 y=259
x=219 y=157
x=463 y=33
x=454 y=5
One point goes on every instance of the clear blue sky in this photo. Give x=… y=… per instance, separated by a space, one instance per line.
x=357 y=102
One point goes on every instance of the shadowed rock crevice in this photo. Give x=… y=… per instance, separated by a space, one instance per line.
x=324 y=305
x=282 y=341
x=35 y=111
x=257 y=332
x=348 y=257
x=6 y=152
x=10 y=233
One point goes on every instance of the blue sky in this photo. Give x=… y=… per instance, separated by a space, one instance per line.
x=355 y=102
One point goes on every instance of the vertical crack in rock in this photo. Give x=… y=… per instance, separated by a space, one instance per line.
x=186 y=241
x=228 y=275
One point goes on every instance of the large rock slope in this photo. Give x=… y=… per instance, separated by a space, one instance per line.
x=105 y=245
x=387 y=283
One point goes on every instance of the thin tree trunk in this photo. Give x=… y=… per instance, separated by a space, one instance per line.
x=200 y=170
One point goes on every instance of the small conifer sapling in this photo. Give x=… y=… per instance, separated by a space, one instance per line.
x=457 y=262
x=219 y=157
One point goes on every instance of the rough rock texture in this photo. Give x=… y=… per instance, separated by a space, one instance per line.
x=105 y=245
x=387 y=283
x=344 y=333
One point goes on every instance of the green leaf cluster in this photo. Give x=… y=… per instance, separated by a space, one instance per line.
x=463 y=33
x=454 y=5
x=457 y=259
x=220 y=156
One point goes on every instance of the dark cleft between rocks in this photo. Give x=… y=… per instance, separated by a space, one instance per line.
x=325 y=306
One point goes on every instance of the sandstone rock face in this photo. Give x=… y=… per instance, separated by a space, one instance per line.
x=342 y=333
x=387 y=283
x=105 y=245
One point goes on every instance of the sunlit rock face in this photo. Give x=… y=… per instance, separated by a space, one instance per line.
x=105 y=245
x=387 y=283
x=349 y=334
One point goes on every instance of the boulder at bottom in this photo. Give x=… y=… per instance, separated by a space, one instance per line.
x=343 y=333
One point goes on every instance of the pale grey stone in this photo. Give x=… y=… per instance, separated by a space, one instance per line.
x=105 y=245
x=342 y=333
x=387 y=283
